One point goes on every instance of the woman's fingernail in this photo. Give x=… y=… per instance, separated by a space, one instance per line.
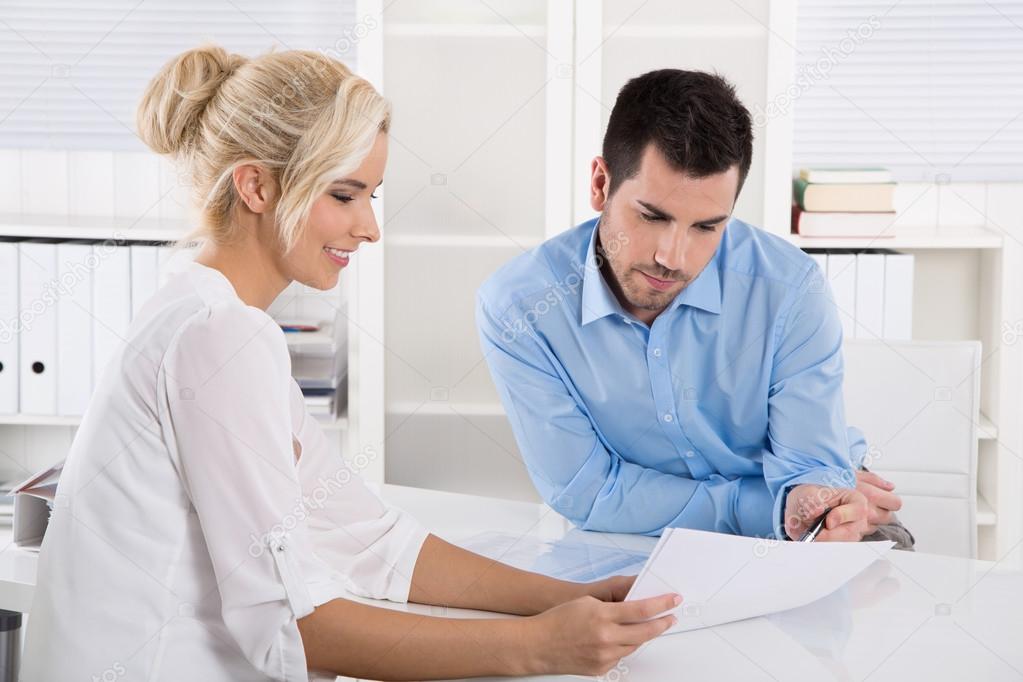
x=677 y=600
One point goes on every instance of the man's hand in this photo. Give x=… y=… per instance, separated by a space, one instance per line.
x=881 y=501
x=846 y=522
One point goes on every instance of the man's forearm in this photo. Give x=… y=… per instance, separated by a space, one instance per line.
x=738 y=506
x=447 y=575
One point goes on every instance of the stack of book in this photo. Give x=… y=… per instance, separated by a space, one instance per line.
x=6 y=503
x=33 y=506
x=318 y=364
x=843 y=202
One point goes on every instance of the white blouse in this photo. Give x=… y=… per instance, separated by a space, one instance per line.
x=186 y=541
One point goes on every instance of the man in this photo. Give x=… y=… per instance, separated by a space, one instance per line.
x=666 y=365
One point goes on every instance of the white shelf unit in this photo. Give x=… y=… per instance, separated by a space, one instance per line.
x=499 y=109
x=477 y=103
x=967 y=238
x=968 y=246
x=29 y=442
x=91 y=227
x=98 y=195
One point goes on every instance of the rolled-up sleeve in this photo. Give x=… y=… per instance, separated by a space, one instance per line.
x=372 y=544
x=809 y=442
x=225 y=389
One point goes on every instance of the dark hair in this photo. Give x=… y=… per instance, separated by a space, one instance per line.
x=694 y=119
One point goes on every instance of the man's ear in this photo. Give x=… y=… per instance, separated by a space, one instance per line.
x=600 y=184
x=255 y=186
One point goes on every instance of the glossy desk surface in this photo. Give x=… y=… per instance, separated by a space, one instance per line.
x=907 y=617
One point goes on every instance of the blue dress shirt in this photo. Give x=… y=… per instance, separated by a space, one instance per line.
x=704 y=419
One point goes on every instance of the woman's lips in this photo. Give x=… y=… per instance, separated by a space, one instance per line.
x=339 y=256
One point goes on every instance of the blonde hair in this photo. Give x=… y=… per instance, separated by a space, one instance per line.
x=304 y=117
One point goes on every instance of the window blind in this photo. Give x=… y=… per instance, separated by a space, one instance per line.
x=932 y=90
x=72 y=71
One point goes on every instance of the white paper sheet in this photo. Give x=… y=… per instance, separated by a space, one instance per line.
x=724 y=578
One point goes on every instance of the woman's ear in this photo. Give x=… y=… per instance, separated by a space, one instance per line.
x=600 y=183
x=255 y=186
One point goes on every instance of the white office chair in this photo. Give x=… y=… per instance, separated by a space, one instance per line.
x=918 y=404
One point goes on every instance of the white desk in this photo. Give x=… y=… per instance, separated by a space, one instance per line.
x=912 y=617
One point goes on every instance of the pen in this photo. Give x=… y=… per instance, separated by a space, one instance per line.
x=815 y=527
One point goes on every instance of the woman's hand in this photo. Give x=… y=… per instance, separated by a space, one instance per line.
x=587 y=636
x=610 y=589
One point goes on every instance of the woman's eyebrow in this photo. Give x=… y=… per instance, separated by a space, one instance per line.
x=357 y=184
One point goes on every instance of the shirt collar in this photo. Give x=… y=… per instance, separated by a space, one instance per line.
x=599 y=301
x=704 y=292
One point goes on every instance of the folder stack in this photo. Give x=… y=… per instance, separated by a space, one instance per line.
x=9 y=342
x=872 y=291
x=65 y=309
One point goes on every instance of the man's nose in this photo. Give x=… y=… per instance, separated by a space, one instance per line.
x=671 y=249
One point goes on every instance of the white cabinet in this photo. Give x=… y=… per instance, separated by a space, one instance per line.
x=468 y=187
x=499 y=108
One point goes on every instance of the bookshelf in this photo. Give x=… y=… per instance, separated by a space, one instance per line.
x=532 y=83
x=922 y=239
x=72 y=194
x=149 y=229
x=29 y=442
x=967 y=240
x=966 y=236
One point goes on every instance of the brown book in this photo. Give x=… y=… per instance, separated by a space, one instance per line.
x=846 y=198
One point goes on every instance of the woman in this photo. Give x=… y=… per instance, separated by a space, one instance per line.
x=201 y=531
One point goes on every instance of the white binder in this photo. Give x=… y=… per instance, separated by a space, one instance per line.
x=145 y=275
x=842 y=276
x=74 y=328
x=37 y=311
x=870 y=295
x=898 y=296
x=8 y=328
x=111 y=304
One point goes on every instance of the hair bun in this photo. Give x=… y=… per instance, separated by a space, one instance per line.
x=169 y=114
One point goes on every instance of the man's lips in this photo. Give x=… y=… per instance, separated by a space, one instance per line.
x=659 y=284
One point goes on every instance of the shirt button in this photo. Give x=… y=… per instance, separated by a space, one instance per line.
x=657 y=352
x=668 y=418
x=690 y=453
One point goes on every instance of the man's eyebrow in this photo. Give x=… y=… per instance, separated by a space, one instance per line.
x=664 y=215
x=711 y=221
x=653 y=210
